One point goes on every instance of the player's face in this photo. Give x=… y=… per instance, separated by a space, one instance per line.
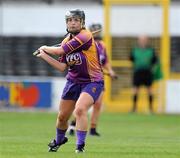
x=143 y=41
x=74 y=24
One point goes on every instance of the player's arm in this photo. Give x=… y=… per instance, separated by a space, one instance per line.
x=154 y=58
x=107 y=66
x=131 y=57
x=76 y=42
x=53 y=50
x=53 y=62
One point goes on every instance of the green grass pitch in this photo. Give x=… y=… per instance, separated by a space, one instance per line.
x=26 y=135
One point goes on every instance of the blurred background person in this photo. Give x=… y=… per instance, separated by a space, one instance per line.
x=144 y=58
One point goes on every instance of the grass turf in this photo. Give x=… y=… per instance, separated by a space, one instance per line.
x=26 y=135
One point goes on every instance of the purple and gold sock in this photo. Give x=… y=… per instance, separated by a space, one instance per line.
x=60 y=135
x=81 y=136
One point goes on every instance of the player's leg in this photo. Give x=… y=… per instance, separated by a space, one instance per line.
x=136 y=85
x=95 y=116
x=71 y=128
x=135 y=98
x=150 y=97
x=71 y=92
x=148 y=84
x=65 y=110
x=94 y=119
x=88 y=96
x=83 y=104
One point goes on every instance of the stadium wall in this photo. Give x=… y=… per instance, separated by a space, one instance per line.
x=173 y=96
x=42 y=19
x=48 y=20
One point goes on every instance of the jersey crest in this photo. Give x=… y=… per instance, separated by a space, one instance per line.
x=74 y=59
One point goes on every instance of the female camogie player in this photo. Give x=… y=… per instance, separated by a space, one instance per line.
x=78 y=53
x=105 y=65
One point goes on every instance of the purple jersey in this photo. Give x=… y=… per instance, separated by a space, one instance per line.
x=102 y=52
x=82 y=58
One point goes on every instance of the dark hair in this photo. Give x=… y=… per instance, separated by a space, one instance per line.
x=76 y=13
x=95 y=26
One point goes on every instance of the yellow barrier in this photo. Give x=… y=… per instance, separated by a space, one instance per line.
x=120 y=103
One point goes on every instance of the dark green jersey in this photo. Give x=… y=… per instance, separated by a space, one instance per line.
x=143 y=58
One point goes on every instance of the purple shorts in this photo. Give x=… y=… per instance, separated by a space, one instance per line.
x=73 y=90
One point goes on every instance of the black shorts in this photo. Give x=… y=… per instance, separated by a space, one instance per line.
x=142 y=77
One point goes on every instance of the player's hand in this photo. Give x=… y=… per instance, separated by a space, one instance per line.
x=113 y=75
x=43 y=48
x=37 y=52
x=41 y=53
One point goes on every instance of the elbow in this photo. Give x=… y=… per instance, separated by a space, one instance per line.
x=59 y=51
x=62 y=70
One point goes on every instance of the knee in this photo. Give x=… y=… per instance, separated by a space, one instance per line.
x=78 y=112
x=97 y=106
x=61 y=118
x=135 y=91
